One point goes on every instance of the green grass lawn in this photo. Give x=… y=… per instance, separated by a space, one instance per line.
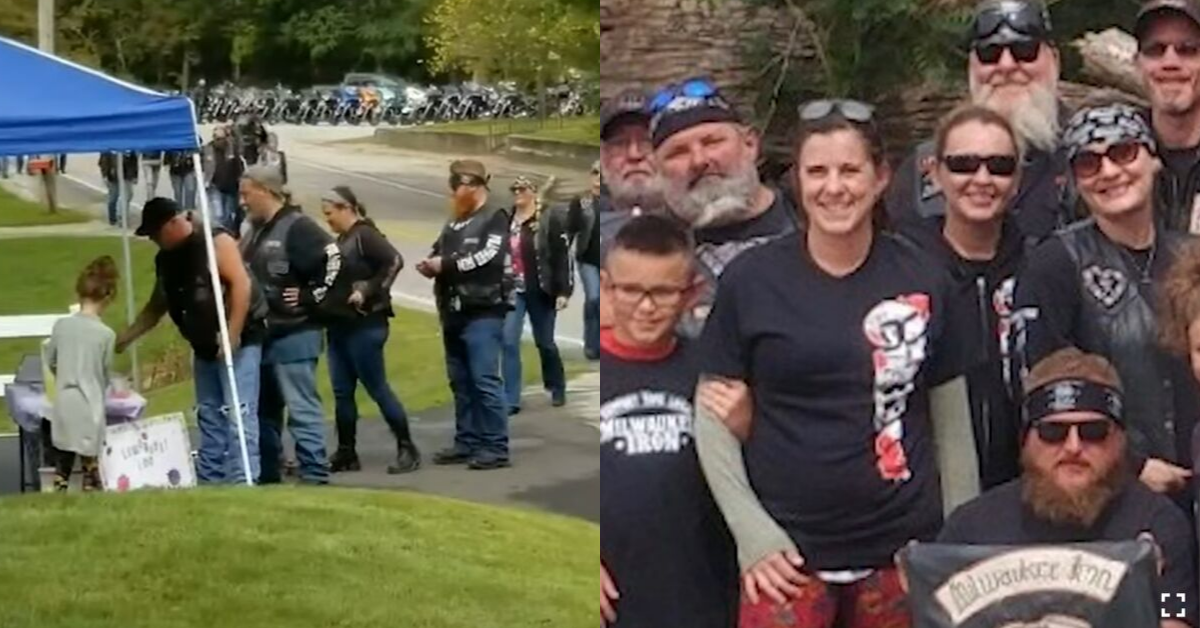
x=583 y=130
x=413 y=354
x=290 y=557
x=18 y=212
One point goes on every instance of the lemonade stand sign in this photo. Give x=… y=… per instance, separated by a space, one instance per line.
x=150 y=453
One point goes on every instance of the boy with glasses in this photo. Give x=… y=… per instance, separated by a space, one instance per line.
x=666 y=555
x=1076 y=485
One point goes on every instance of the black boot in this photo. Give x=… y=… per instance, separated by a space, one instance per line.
x=408 y=459
x=344 y=460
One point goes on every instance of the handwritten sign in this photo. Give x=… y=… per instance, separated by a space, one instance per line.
x=150 y=453
x=1086 y=585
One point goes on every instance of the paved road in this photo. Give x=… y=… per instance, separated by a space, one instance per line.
x=404 y=191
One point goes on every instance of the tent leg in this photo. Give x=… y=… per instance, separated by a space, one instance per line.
x=123 y=202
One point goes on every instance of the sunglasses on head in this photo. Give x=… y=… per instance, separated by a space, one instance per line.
x=1088 y=163
x=1055 y=433
x=691 y=88
x=1158 y=49
x=997 y=165
x=1022 y=17
x=851 y=110
x=1026 y=51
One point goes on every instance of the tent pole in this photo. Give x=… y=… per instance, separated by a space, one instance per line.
x=123 y=203
x=222 y=320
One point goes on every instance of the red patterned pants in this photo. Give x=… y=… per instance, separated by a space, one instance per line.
x=876 y=601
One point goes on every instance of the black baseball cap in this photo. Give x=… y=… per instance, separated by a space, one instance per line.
x=629 y=104
x=156 y=213
x=1009 y=21
x=1188 y=8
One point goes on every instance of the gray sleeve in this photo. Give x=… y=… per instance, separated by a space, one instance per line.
x=954 y=439
x=757 y=535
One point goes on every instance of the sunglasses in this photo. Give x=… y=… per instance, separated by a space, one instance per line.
x=691 y=88
x=851 y=110
x=1158 y=49
x=1022 y=52
x=997 y=165
x=1056 y=433
x=1088 y=163
x=1023 y=18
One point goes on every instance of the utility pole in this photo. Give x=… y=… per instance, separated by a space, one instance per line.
x=46 y=26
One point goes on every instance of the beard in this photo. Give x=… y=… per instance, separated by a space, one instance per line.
x=462 y=206
x=645 y=193
x=1033 y=115
x=1051 y=503
x=714 y=200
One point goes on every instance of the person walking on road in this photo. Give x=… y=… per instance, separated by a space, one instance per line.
x=223 y=168
x=183 y=288
x=583 y=223
x=297 y=264
x=543 y=283
x=108 y=170
x=357 y=312
x=471 y=267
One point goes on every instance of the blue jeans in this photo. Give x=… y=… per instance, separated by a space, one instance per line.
x=292 y=386
x=184 y=188
x=356 y=355
x=542 y=317
x=225 y=209
x=115 y=211
x=473 y=365
x=589 y=276
x=220 y=456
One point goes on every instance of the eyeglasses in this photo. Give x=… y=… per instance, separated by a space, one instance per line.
x=997 y=165
x=1158 y=49
x=1056 y=433
x=1088 y=163
x=1022 y=17
x=660 y=296
x=1026 y=51
x=691 y=88
x=851 y=110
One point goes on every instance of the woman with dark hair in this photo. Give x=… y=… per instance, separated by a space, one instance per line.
x=841 y=333
x=359 y=306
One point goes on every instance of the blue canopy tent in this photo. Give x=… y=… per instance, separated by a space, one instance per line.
x=49 y=105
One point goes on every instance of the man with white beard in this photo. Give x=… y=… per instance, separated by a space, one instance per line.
x=1013 y=69
x=627 y=168
x=1168 y=33
x=707 y=164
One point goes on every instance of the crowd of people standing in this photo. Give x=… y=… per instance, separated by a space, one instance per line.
x=992 y=343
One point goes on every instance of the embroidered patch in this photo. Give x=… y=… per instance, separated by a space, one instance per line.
x=1106 y=285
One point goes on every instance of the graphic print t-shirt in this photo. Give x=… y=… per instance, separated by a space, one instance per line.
x=663 y=540
x=840 y=453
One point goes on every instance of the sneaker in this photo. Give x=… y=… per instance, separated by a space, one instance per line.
x=407 y=460
x=344 y=460
x=487 y=463
x=451 y=455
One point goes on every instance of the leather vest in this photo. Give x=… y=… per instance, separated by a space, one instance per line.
x=479 y=290
x=266 y=249
x=185 y=279
x=1117 y=320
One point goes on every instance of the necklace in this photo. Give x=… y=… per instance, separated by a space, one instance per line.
x=1144 y=271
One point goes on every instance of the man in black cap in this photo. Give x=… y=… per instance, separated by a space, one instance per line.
x=183 y=288
x=473 y=283
x=1013 y=69
x=627 y=167
x=707 y=160
x=1168 y=33
x=1077 y=486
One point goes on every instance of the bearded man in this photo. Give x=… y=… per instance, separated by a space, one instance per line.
x=1013 y=69
x=1077 y=486
x=707 y=169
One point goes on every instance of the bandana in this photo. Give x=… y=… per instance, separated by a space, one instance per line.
x=1111 y=124
x=1073 y=395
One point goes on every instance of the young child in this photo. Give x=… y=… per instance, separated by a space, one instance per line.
x=80 y=355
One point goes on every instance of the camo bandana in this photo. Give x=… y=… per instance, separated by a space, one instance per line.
x=1111 y=124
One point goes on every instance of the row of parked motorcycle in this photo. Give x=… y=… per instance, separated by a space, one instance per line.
x=376 y=101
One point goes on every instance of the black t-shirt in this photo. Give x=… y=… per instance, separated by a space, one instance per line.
x=1000 y=517
x=1180 y=161
x=664 y=541
x=840 y=453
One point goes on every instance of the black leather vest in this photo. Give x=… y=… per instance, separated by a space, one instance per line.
x=185 y=279
x=266 y=250
x=1117 y=320
x=482 y=289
